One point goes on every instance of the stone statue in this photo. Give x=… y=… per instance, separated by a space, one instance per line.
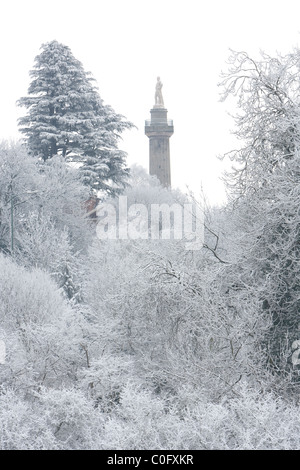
x=159 y=101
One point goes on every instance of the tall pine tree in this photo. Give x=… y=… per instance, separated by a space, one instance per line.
x=66 y=116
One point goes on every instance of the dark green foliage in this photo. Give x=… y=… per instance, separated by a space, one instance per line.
x=67 y=117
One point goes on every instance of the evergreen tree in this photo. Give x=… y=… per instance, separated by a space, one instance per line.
x=66 y=116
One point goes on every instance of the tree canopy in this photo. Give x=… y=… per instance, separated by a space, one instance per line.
x=66 y=116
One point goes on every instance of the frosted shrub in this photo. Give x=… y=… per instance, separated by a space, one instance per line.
x=26 y=296
x=43 y=332
x=251 y=421
x=263 y=422
x=71 y=418
x=140 y=422
x=21 y=427
x=104 y=379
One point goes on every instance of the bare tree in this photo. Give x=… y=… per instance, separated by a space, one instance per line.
x=264 y=187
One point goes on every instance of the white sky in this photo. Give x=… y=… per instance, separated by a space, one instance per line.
x=126 y=44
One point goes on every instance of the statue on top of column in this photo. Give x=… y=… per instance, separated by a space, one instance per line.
x=159 y=101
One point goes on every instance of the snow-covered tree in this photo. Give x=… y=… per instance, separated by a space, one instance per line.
x=268 y=124
x=42 y=332
x=265 y=185
x=18 y=175
x=43 y=219
x=66 y=116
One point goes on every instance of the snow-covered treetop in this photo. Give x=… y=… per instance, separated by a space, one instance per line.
x=66 y=116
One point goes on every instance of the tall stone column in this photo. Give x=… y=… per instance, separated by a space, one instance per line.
x=159 y=130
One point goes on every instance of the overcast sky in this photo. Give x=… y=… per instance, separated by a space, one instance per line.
x=126 y=44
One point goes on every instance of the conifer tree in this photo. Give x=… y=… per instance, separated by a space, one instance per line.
x=66 y=116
